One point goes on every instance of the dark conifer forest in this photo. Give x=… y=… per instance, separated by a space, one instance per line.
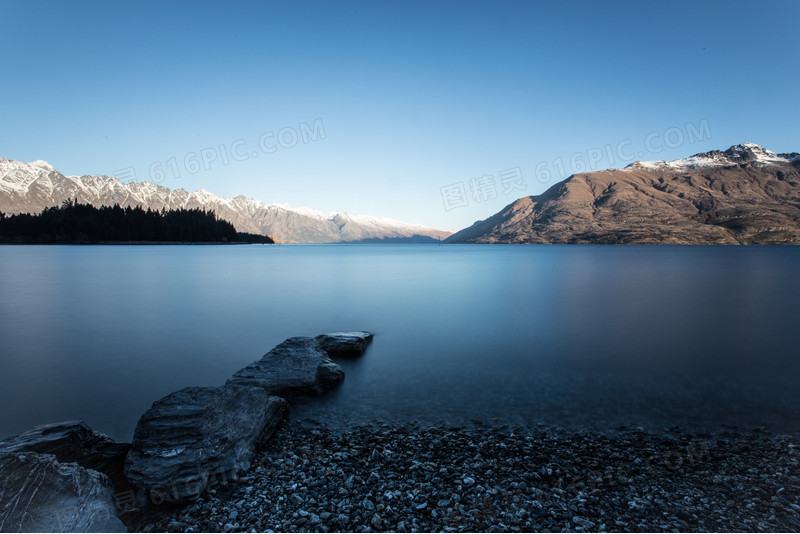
x=73 y=222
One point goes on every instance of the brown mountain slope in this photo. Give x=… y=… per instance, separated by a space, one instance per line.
x=740 y=198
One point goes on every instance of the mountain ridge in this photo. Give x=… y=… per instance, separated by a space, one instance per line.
x=31 y=187
x=743 y=195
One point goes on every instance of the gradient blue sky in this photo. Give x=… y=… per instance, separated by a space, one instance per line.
x=412 y=96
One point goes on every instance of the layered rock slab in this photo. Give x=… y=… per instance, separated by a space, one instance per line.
x=74 y=441
x=198 y=436
x=298 y=367
x=40 y=494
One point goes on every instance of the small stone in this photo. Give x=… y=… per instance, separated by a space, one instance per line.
x=582 y=522
x=469 y=481
x=368 y=504
x=376 y=522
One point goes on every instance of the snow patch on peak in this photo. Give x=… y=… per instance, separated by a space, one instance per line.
x=202 y=194
x=307 y=212
x=369 y=220
x=42 y=165
x=647 y=164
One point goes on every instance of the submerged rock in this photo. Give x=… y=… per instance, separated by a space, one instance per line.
x=74 y=441
x=344 y=344
x=40 y=494
x=296 y=367
x=197 y=436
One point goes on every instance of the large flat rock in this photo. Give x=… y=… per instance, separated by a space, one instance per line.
x=74 y=441
x=40 y=494
x=298 y=367
x=200 y=435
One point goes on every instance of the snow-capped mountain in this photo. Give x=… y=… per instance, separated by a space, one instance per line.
x=31 y=187
x=743 y=195
x=735 y=155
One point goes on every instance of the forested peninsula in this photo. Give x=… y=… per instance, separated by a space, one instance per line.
x=75 y=223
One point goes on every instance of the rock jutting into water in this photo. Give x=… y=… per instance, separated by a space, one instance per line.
x=198 y=435
x=298 y=367
x=40 y=494
x=344 y=344
x=58 y=477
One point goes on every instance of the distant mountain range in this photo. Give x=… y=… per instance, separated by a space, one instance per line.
x=31 y=187
x=743 y=195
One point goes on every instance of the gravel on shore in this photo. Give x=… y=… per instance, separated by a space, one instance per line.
x=404 y=478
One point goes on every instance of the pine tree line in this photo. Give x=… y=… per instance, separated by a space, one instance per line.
x=73 y=222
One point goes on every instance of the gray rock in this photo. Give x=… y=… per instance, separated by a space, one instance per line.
x=74 y=441
x=296 y=367
x=199 y=436
x=40 y=494
x=344 y=344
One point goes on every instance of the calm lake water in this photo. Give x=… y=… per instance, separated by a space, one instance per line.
x=577 y=336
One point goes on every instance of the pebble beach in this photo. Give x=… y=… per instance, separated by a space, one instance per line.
x=407 y=478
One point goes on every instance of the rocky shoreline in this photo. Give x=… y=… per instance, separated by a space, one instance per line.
x=223 y=458
x=410 y=479
x=66 y=477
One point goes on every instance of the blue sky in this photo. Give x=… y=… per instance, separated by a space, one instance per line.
x=375 y=107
